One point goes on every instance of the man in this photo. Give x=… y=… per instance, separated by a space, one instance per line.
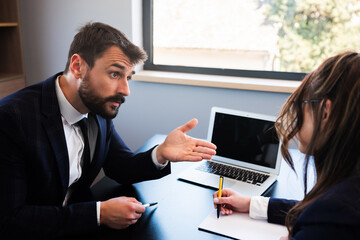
x=49 y=156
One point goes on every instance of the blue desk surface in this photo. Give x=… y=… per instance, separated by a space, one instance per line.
x=182 y=205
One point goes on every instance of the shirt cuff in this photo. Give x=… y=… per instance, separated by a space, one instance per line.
x=157 y=164
x=258 y=207
x=98 y=213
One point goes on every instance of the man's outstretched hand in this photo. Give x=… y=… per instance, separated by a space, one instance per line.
x=180 y=147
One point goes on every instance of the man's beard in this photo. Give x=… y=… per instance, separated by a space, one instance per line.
x=97 y=104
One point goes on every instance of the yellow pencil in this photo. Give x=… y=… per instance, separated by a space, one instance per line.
x=221 y=181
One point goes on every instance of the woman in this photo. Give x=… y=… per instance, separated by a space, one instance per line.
x=324 y=115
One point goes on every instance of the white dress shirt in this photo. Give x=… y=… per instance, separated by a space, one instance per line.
x=258 y=207
x=73 y=135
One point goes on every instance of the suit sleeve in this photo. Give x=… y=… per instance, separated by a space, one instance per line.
x=124 y=166
x=278 y=208
x=20 y=216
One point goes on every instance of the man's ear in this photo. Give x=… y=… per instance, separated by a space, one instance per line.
x=76 y=65
x=327 y=111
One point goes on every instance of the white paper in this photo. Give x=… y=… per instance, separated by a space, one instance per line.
x=241 y=226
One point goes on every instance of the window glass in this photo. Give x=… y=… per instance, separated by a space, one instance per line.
x=260 y=35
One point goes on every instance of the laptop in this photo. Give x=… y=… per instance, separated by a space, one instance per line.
x=247 y=156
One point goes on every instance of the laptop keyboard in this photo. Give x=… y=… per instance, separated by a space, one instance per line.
x=233 y=172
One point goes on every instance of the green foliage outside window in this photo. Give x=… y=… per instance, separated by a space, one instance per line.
x=312 y=30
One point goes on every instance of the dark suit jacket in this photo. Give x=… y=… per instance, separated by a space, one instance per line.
x=34 y=167
x=335 y=215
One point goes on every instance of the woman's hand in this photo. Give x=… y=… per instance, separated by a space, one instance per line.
x=232 y=201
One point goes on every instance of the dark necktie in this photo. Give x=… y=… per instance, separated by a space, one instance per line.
x=86 y=154
x=73 y=191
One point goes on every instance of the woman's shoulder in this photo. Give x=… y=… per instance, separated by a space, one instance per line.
x=346 y=192
x=341 y=203
x=335 y=215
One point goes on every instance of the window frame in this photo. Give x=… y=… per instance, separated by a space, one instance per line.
x=147 y=8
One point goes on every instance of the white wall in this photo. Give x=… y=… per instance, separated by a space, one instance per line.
x=48 y=27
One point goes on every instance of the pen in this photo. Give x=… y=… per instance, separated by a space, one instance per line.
x=221 y=182
x=150 y=204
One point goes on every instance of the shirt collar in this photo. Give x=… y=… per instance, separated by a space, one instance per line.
x=69 y=113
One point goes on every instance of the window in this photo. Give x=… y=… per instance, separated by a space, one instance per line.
x=280 y=39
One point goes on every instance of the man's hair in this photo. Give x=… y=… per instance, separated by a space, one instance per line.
x=93 y=39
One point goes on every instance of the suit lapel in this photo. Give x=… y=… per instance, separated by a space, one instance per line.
x=55 y=131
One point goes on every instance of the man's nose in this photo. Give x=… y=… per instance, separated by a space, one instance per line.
x=123 y=87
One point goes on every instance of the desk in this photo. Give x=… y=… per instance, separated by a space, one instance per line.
x=182 y=206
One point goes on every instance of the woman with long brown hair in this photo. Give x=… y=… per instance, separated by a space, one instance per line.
x=323 y=114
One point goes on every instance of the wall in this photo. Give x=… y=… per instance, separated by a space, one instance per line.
x=48 y=27
x=158 y=108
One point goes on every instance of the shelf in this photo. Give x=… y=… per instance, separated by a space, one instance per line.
x=11 y=84
x=9 y=24
x=12 y=77
x=8 y=76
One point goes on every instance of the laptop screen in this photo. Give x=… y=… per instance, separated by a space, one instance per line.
x=245 y=139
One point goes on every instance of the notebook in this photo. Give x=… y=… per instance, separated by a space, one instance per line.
x=247 y=156
x=241 y=226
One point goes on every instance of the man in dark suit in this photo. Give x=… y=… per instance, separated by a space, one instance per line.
x=56 y=135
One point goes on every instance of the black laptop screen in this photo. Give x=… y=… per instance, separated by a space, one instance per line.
x=245 y=139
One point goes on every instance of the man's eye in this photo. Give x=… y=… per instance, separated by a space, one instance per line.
x=114 y=75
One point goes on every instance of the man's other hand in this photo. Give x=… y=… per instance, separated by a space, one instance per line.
x=120 y=212
x=180 y=147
